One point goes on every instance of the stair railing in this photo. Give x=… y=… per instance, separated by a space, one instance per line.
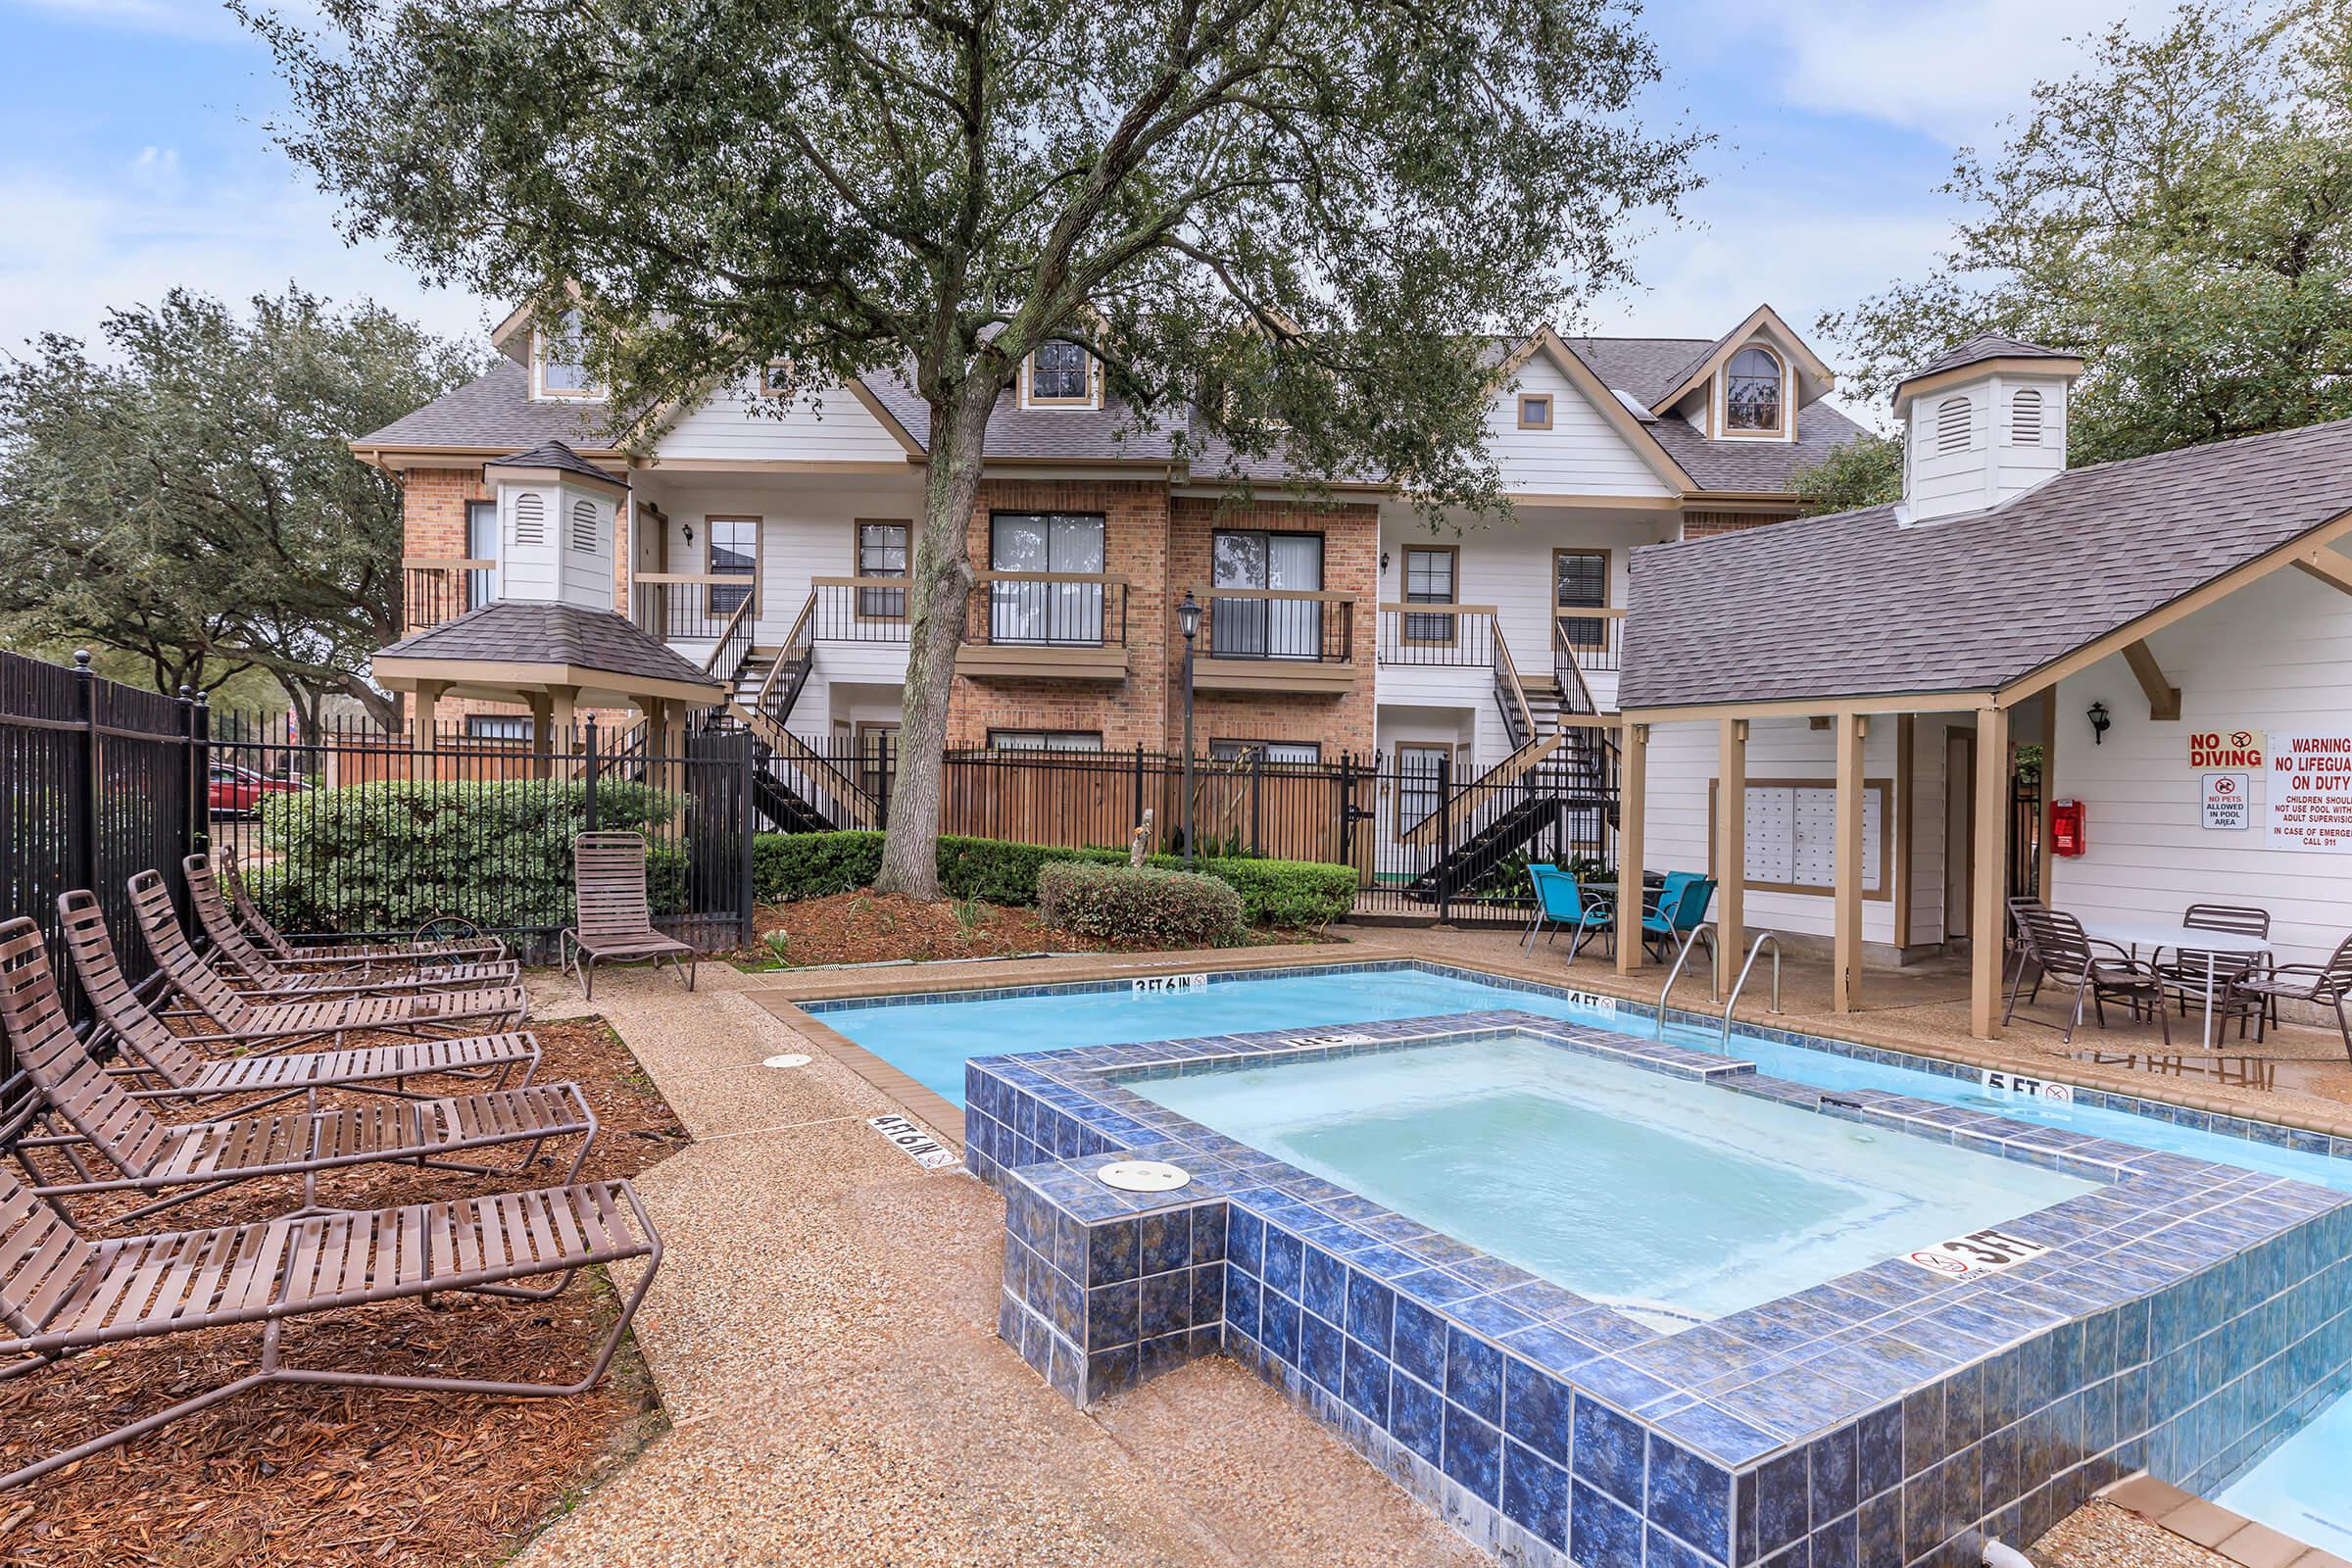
x=1518 y=719
x=1576 y=693
x=771 y=707
x=781 y=687
x=1764 y=939
x=734 y=643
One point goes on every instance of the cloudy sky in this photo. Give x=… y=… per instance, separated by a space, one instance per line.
x=132 y=157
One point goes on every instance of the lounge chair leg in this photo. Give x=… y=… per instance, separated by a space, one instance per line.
x=2342 y=1026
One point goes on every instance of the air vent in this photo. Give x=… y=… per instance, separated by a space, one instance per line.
x=585 y=535
x=1952 y=421
x=530 y=519
x=2025 y=419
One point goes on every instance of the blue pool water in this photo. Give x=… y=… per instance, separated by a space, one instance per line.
x=2302 y=1487
x=930 y=1041
x=1672 y=1201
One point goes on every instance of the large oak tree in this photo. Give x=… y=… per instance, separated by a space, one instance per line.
x=1302 y=214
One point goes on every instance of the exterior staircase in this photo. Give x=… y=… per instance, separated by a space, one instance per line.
x=796 y=788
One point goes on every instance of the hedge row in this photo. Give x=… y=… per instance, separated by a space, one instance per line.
x=1291 y=895
x=389 y=856
x=1138 y=906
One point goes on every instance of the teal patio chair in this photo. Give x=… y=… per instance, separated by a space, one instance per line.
x=1679 y=918
x=1559 y=902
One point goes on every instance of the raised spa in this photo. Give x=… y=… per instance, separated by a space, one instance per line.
x=1667 y=1199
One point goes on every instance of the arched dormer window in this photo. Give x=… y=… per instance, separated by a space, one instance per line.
x=1751 y=391
x=1954 y=416
x=2024 y=418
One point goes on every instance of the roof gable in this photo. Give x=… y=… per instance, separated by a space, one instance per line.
x=1762 y=320
x=1595 y=392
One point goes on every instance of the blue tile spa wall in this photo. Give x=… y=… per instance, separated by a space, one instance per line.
x=2188 y=1316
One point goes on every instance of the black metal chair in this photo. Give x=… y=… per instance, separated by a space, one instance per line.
x=2329 y=983
x=2054 y=944
x=2187 y=974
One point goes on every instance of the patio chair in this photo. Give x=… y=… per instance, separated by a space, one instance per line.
x=420 y=949
x=615 y=922
x=266 y=972
x=1559 y=902
x=289 y=1023
x=192 y=1076
x=1679 y=916
x=2315 y=983
x=2054 y=944
x=154 y=1155
x=63 y=1292
x=2187 y=973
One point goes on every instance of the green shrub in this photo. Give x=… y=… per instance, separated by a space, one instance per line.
x=389 y=856
x=1137 y=906
x=1290 y=895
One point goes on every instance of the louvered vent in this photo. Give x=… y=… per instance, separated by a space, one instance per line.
x=584 y=533
x=2025 y=419
x=530 y=519
x=1952 y=420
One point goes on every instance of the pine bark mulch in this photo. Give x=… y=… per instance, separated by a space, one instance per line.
x=322 y=1478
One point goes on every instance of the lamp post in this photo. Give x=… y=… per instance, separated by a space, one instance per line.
x=1188 y=621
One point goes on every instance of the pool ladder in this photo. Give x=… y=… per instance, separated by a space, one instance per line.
x=1755 y=949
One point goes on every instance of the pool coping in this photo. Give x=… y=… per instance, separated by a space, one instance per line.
x=2203 y=1222
x=2223 y=1532
x=2126 y=1094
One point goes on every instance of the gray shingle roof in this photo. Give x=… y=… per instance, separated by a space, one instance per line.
x=1852 y=604
x=555 y=455
x=1986 y=346
x=1754 y=466
x=1648 y=368
x=497 y=412
x=517 y=632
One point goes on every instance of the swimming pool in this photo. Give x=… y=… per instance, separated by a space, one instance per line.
x=930 y=1040
x=1666 y=1198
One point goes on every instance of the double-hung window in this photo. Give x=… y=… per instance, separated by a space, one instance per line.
x=882 y=553
x=734 y=553
x=1432 y=577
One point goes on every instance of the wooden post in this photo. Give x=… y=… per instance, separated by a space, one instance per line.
x=1632 y=787
x=1905 y=808
x=562 y=714
x=1987 y=928
x=420 y=714
x=543 y=734
x=1845 y=942
x=1731 y=851
x=2046 y=862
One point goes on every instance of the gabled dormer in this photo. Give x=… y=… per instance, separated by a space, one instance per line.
x=1749 y=384
x=1060 y=374
x=1983 y=421
x=553 y=352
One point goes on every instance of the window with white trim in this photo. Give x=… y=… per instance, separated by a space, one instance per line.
x=1751 y=391
x=562 y=360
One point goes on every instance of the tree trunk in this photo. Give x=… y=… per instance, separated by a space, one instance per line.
x=938 y=600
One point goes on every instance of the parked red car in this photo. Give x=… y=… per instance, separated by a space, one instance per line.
x=237 y=791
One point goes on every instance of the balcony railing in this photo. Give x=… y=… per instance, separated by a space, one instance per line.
x=1593 y=636
x=436 y=588
x=1047 y=609
x=1459 y=636
x=687 y=607
x=858 y=610
x=1309 y=626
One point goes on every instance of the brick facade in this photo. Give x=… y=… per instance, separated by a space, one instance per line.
x=1711 y=524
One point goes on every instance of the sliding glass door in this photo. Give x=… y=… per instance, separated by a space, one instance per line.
x=1045 y=612
x=1254 y=627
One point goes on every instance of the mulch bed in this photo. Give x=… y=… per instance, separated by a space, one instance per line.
x=873 y=927
x=290 y=1475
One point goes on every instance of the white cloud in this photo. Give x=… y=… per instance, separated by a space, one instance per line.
x=73 y=249
x=1950 y=70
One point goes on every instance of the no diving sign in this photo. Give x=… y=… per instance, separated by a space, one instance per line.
x=913 y=1142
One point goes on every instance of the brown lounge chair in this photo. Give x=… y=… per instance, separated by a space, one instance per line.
x=2054 y=944
x=475 y=948
x=2329 y=983
x=615 y=922
x=291 y=1021
x=192 y=1076
x=62 y=1293
x=257 y=971
x=153 y=1155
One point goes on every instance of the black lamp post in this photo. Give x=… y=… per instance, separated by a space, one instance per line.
x=1188 y=621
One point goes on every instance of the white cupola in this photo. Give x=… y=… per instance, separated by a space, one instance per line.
x=1982 y=423
x=555 y=528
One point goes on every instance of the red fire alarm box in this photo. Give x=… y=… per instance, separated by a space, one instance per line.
x=2066 y=827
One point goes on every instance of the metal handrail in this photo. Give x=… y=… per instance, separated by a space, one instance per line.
x=1763 y=938
x=1676 y=973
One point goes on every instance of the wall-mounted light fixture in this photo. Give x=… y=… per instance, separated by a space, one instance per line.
x=2098 y=723
x=1383 y=561
x=689 y=531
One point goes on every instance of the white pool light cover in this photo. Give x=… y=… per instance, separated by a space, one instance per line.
x=1143 y=1176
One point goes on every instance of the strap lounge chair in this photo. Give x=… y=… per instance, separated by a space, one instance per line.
x=2055 y=946
x=153 y=1155
x=2328 y=984
x=294 y=1021
x=2185 y=973
x=472 y=948
x=1559 y=903
x=62 y=1293
x=192 y=1076
x=1680 y=916
x=267 y=972
x=616 y=924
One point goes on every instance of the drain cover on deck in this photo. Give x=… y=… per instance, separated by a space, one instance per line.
x=791 y=1059
x=1143 y=1176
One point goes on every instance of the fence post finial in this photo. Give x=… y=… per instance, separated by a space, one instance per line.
x=82 y=660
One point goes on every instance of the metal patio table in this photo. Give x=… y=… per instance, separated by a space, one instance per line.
x=2133 y=935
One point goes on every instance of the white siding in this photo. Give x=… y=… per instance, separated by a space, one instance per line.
x=2274 y=655
x=740 y=423
x=527 y=563
x=587 y=573
x=1581 y=455
x=1995 y=466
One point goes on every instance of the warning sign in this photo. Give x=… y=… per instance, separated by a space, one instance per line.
x=2310 y=790
x=2237 y=748
x=2225 y=801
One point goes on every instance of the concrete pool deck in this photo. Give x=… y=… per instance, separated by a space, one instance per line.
x=824 y=1334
